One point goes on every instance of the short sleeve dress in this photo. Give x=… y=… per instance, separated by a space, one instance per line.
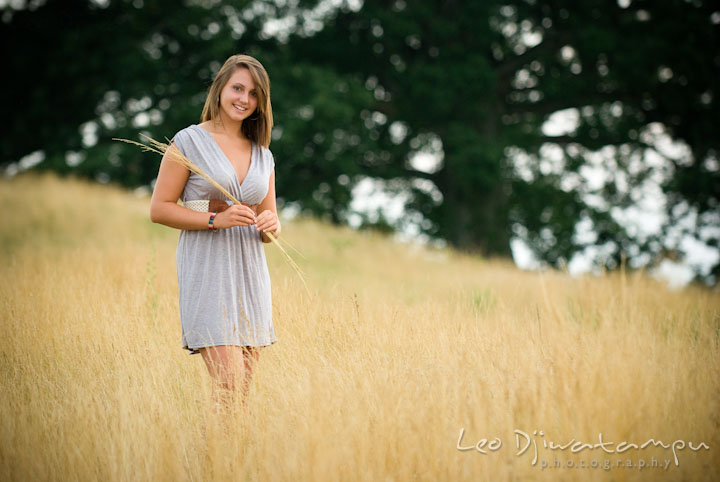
x=223 y=279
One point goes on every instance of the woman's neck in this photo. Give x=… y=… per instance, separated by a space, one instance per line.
x=228 y=127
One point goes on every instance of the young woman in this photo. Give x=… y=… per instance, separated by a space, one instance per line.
x=223 y=280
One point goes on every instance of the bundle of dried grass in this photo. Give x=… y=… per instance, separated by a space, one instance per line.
x=177 y=156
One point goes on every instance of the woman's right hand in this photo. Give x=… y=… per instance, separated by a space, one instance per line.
x=235 y=215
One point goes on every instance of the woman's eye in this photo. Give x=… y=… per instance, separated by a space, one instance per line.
x=254 y=94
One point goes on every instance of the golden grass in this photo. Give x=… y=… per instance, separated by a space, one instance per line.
x=374 y=382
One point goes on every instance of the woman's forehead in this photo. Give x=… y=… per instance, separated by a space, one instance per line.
x=241 y=76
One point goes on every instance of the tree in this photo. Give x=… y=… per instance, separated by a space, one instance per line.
x=486 y=76
x=84 y=73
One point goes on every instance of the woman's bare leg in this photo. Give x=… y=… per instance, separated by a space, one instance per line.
x=225 y=364
x=250 y=357
x=231 y=368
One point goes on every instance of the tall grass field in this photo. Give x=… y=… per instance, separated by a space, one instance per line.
x=402 y=363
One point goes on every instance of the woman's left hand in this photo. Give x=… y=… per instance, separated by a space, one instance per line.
x=267 y=221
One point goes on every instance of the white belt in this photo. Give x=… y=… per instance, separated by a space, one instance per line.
x=201 y=205
x=197 y=205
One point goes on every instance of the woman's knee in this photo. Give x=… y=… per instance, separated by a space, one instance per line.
x=223 y=361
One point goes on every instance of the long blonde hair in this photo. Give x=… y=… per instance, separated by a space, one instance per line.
x=258 y=126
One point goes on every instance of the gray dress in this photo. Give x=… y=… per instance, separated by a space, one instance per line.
x=223 y=279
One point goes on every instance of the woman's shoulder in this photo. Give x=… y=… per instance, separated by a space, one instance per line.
x=267 y=156
x=186 y=136
x=265 y=150
x=185 y=131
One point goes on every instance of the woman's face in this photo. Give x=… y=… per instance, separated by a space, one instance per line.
x=238 y=99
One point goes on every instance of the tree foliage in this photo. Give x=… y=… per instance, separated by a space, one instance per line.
x=358 y=91
x=486 y=76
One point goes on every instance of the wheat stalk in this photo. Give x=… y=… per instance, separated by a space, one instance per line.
x=177 y=156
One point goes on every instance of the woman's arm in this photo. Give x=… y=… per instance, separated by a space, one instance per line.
x=164 y=208
x=267 y=219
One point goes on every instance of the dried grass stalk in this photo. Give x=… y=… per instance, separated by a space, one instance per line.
x=177 y=156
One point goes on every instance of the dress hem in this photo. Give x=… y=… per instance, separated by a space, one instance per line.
x=195 y=350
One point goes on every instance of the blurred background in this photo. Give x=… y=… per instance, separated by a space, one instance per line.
x=579 y=135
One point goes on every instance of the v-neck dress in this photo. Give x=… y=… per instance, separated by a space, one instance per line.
x=223 y=280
